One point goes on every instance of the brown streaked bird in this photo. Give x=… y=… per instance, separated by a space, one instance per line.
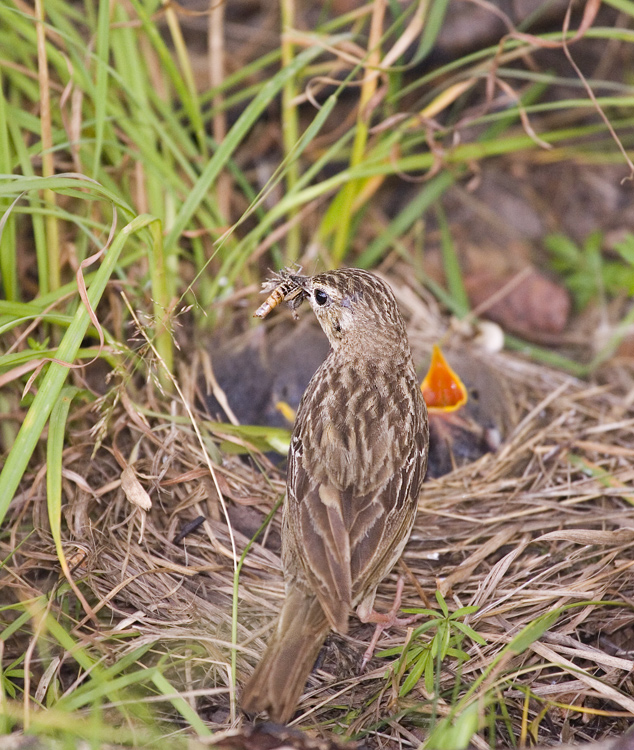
x=357 y=461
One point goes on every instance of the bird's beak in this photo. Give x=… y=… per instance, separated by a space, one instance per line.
x=298 y=294
x=301 y=282
x=442 y=388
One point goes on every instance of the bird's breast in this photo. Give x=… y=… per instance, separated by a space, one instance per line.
x=357 y=423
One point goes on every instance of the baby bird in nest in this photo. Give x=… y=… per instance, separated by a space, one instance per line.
x=357 y=460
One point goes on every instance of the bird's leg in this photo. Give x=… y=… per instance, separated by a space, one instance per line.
x=383 y=620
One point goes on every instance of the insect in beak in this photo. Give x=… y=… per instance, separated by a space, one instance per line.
x=288 y=290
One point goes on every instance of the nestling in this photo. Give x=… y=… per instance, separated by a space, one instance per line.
x=357 y=461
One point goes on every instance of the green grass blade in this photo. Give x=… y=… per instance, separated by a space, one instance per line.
x=245 y=122
x=181 y=705
x=67 y=182
x=451 y=264
x=66 y=641
x=433 y=25
x=54 y=451
x=161 y=301
x=533 y=632
x=413 y=211
x=8 y=250
x=101 y=82
x=53 y=381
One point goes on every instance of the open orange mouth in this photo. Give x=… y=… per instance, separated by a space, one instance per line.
x=442 y=388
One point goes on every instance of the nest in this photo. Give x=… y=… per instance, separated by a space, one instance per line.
x=543 y=525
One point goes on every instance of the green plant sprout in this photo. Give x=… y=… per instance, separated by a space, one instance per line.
x=586 y=273
x=424 y=659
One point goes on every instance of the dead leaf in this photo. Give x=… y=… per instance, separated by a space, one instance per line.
x=134 y=490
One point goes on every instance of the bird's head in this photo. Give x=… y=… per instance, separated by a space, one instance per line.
x=355 y=308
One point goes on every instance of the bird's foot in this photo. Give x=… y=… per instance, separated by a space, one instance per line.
x=384 y=621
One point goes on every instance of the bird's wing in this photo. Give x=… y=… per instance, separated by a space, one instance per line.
x=349 y=542
x=381 y=522
x=325 y=552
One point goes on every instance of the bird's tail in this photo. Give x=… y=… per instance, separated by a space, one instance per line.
x=278 y=680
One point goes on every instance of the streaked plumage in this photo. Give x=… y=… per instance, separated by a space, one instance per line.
x=356 y=464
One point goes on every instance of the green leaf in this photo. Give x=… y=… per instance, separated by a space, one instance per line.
x=427 y=626
x=625 y=248
x=565 y=254
x=414 y=676
x=532 y=632
x=442 y=604
x=455 y=733
x=470 y=633
x=458 y=653
x=429 y=674
x=463 y=611
x=422 y=611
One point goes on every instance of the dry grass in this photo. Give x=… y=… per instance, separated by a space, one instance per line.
x=544 y=525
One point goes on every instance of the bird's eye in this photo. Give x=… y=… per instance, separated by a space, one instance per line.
x=321 y=297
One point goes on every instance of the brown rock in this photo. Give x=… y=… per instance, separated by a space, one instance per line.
x=534 y=307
